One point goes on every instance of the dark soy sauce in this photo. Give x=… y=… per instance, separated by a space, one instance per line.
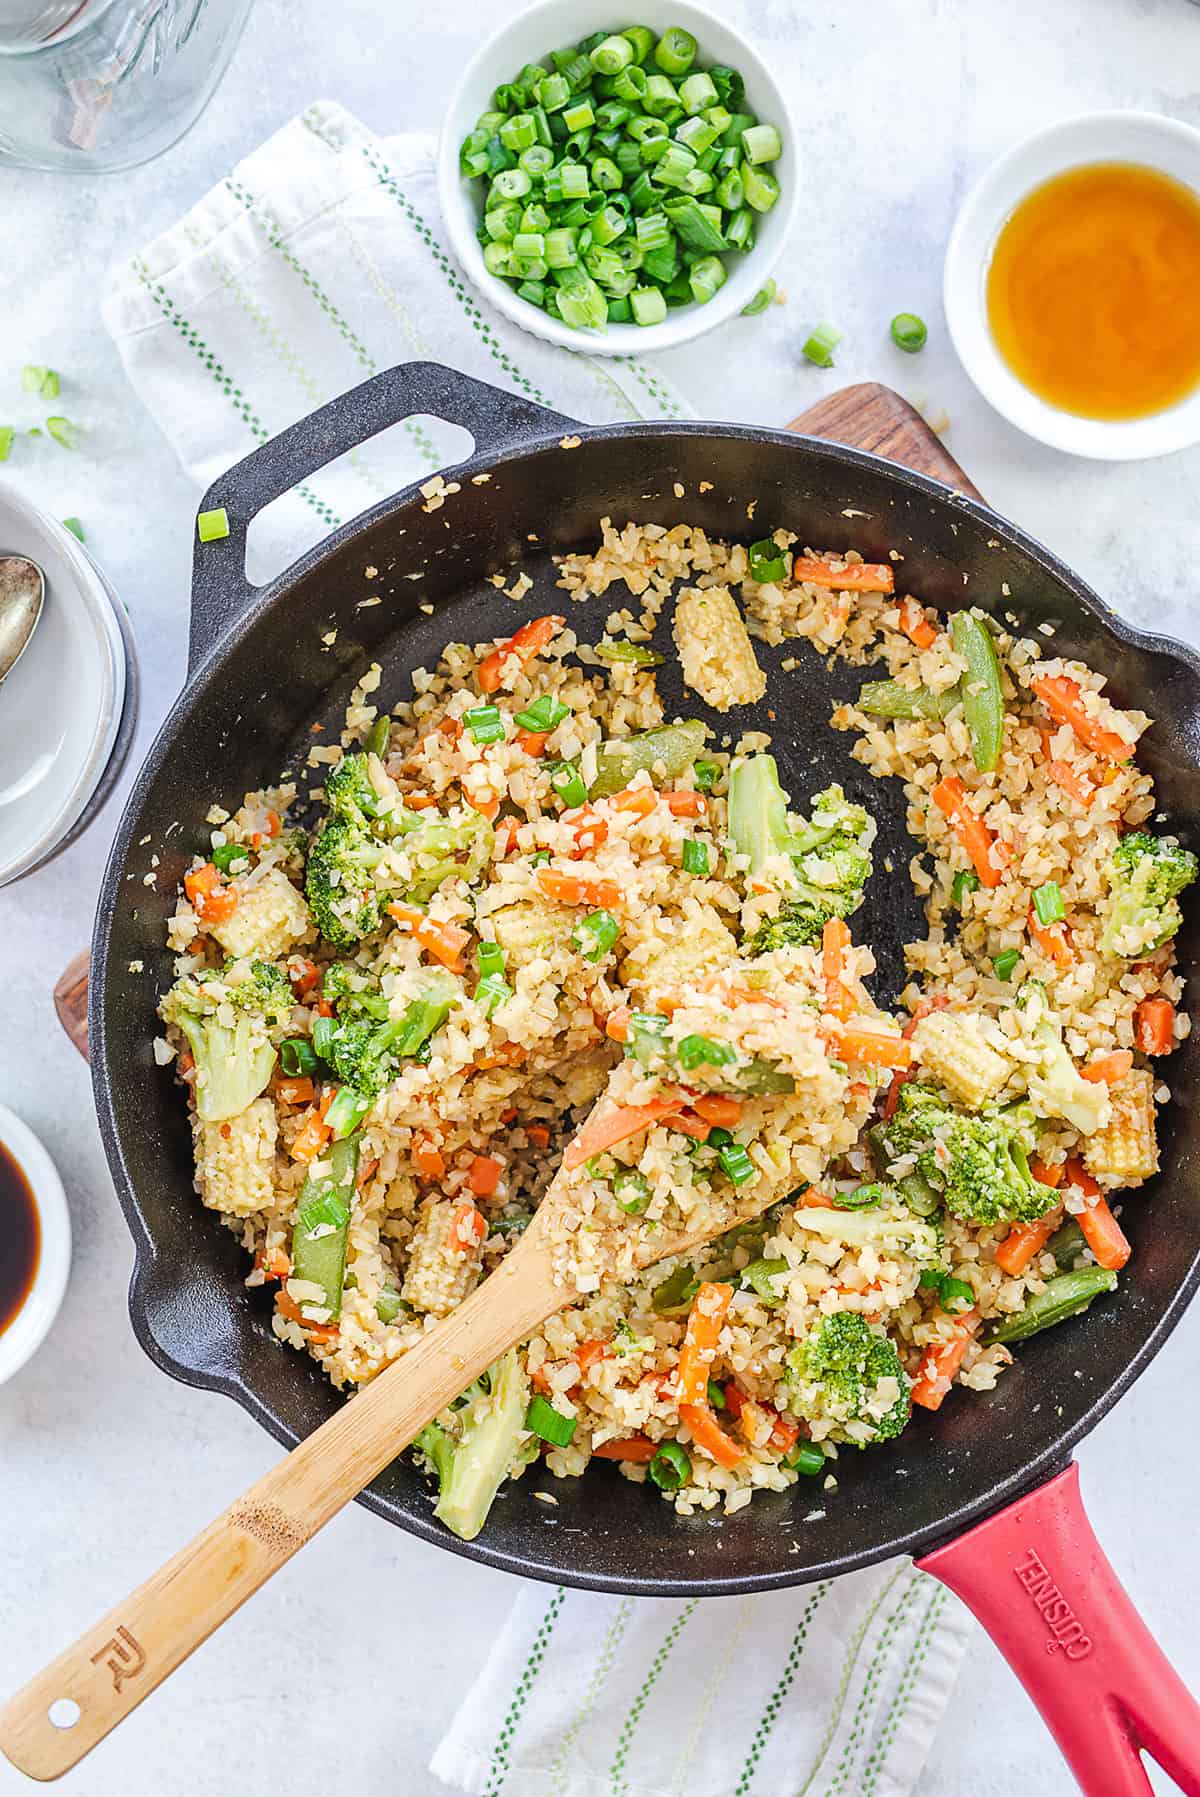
x=20 y=1238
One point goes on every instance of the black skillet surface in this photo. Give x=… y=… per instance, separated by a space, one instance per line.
x=260 y=678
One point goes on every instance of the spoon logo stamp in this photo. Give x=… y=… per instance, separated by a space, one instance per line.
x=124 y=1656
x=1066 y=1630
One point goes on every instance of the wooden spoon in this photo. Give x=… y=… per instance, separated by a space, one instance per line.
x=65 y=1710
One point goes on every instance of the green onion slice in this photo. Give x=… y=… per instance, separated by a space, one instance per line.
x=544 y=714
x=1048 y=903
x=768 y=562
x=670 y=1467
x=819 y=347
x=635 y=653
x=550 y=1424
x=909 y=332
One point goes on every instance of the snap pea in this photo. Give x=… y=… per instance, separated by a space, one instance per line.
x=323 y=1223
x=675 y=746
x=676 y=1290
x=888 y=699
x=761 y=1275
x=982 y=693
x=1064 y=1296
x=1067 y=1244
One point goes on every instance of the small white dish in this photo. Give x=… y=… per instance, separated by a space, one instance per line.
x=530 y=37
x=65 y=715
x=1160 y=143
x=28 y=1329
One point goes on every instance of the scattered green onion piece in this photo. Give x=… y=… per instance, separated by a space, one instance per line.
x=324 y=1032
x=642 y=39
x=762 y=299
x=578 y=115
x=807 y=1459
x=761 y=143
x=546 y=713
x=909 y=332
x=706 y=279
x=568 y=783
x=719 y=1138
x=706 y=774
x=346 y=1112
x=298 y=1057
x=761 y=188
x=1048 y=903
x=675 y=51
x=716 y=1395
x=636 y=653
x=864 y=1197
x=701 y=1051
x=550 y=1424
x=760 y=1277
x=965 y=880
x=489 y=958
x=6 y=442
x=540 y=857
x=698 y=92
x=631 y=1190
x=671 y=1467
x=695 y=857
x=736 y=1162
x=65 y=433
x=42 y=381
x=491 y=993
x=768 y=562
x=212 y=526
x=71 y=524
x=226 y=856
x=389 y=1305
x=613 y=55
x=1004 y=962
x=485 y=724
x=821 y=344
x=649 y=305
x=595 y=934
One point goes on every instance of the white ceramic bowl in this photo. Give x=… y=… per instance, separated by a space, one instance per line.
x=530 y=37
x=28 y=1328
x=66 y=710
x=1142 y=137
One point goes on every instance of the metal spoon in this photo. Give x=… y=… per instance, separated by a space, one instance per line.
x=22 y=595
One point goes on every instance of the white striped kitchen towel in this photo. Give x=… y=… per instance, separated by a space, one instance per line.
x=319 y=261
x=829 y=1690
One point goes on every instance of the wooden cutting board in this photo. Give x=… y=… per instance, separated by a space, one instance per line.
x=868 y=416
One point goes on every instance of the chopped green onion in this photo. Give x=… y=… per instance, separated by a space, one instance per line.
x=543 y=1419
x=701 y=1051
x=42 y=381
x=706 y=774
x=716 y=1395
x=768 y=562
x=324 y=1034
x=73 y=525
x=671 y=1467
x=347 y=1112
x=909 y=332
x=298 y=1057
x=489 y=958
x=1048 y=903
x=492 y=992
x=675 y=51
x=485 y=724
x=647 y=1035
x=227 y=855
x=821 y=344
x=612 y=55
x=695 y=857
x=807 y=1459
x=631 y=1190
x=379 y=735
x=1004 y=962
x=579 y=115
x=540 y=857
x=698 y=92
x=736 y=1162
x=65 y=434
x=637 y=653
x=642 y=39
x=719 y=1138
x=761 y=143
x=760 y=1277
x=965 y=880
x=762 y=299
x=567 y=782
x=389 y=1305
x=6 y=441
x=212 y=526
x=864 y=1197
x=595 y=934
x=706 y=278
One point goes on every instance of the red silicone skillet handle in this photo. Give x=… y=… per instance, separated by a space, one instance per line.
x=1037 y=1579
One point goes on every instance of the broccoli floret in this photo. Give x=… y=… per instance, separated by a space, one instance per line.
x=350 y=792
x=471 y=1468
x=829 y=856
x=339 y=883
x=438 y=850
x=849 y=1374
x=365 y=1047
x=892 y=1228
x=1145 y=874
x=353 y=992
x=978 y=1163
x=1054 y=1083
x=228 y=1019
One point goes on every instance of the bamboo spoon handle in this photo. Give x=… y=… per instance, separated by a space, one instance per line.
x=112 y=1667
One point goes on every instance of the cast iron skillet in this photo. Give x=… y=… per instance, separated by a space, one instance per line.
x=260 y=677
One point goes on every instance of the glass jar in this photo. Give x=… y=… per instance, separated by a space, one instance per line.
x=100 y=85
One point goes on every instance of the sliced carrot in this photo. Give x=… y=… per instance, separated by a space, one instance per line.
x=1101 y=1231
x=427 y=1156
x=785 y=1430
x=589 y=1354
x=1054 y=939
x=699 y=1350
x=835 y=940
x=1073 y=784
x=716 y=1107
x=487 y=805
x=1154 y=1026
x=317 y=1332
x=295 y=1091
x=578 y=889
x=1063 y=699
x=274 y=824
x=444 y=941
x=599 y=1133
x=485 y=1175
x=688 y=1124
x=468 y=1227
x=916 y=625
x=709 y=1436
x=872 y=1048
x=278 y=1267
x=540 y=1381
x=419 y=801
x=506 y=1054
x=1047 y=1176
x=616 y=1024
x=539 y=1134
x=587 y=826
x=901 y=1076
x=631 y=1447
x=940 y=1362
x=685 y=804
x=1108 y=1069
x=527 y=642
x=533 y=741
x=510 y=1115
x=950 y=797
x=305 y=978
x=638 y=801
x=815 y=1199
x=314 y=1132
x=1024 y=1240
x=852 y=577
x=200 y=882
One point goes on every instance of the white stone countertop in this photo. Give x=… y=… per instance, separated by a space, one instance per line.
x=351 y=1662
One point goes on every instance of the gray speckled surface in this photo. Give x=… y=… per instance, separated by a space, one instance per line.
x=368 y=1638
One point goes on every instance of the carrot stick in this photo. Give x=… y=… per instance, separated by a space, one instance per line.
x=589 y=829
x=638 y=801
x=852 y=577
x=1063 y=699
x=715 y=1107
x=444 y=941
x=533 y=741
x=616 y=1024
x=785 y=1431
x=631 y=1447
x=684 y=804
x=941 y=1360
x=295 y=1091
x=835 y=940
x=427 y=1157
x=1054 y=939
x=314 y=1132
x=1103 y=1234
x=688 y=1124
x=577 y=889
x=950 y=797
x=916 y=625
x=468 y=1227
x=1073 y=784
x=525 y=643
x=699 y=1349
x=539 y=1134
x=1154 y=1026
x=708 y=1434
x=1108 y=1069
x=317 y=1332
x=599 y=1133
x=1024 y=1240
x=814 y=1199
x=873 y=1048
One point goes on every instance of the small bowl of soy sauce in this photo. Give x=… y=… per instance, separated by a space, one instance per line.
x=35 y=1243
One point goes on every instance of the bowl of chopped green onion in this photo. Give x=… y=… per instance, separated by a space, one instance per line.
x=617 y=187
